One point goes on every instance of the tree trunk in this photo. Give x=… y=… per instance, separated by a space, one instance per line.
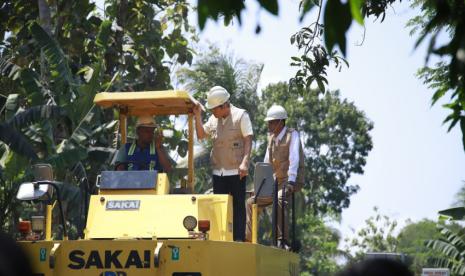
x=45 y=20
x=45 y=16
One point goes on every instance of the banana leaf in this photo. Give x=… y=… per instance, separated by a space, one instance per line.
x=456 y=213
x=16 y=141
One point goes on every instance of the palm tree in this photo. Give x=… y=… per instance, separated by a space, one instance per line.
x=236 y=75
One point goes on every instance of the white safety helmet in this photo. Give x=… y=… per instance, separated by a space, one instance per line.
x=216 y=97
x=146 y=121
x=276 y=112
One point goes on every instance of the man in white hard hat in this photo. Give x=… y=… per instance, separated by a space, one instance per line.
x=230 y=130
x=285 y=153
x=146 y=153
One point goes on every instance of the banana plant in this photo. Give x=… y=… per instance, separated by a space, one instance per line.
x=67 y=60
x=450 y=248
x=456 y=213
x=57 y=131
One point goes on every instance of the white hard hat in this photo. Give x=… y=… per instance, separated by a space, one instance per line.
x=217 y=96
x=276 y=112
x=146 y=121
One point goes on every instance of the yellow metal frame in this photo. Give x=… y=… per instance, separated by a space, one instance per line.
x=190 y=157
x=254 y=222
x=153 y=103
x=157 y=258
x=150 y=218
x=48 y=222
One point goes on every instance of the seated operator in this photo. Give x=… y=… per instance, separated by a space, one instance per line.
x=146 y=153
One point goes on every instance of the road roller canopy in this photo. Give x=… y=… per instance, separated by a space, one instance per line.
x=168 y=102
x=153 y=103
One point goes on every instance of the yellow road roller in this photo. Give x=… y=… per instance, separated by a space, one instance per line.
x=135 y=226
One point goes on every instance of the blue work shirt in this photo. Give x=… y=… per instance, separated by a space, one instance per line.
x=137 y=159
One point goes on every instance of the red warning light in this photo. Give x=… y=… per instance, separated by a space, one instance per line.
x=204 y=225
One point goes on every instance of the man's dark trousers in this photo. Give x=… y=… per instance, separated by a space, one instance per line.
x=234 y=186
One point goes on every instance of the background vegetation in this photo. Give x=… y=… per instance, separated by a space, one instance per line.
x=56 y=55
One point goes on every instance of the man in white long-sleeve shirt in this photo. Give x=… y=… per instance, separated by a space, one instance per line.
x=230 y=131
x=285 y=153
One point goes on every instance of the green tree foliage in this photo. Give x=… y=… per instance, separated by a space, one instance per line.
x=444 y=21
x=336 y=140
x=411 y=241
x=378 y=235
x=63 y=54
x=334 y=133
x=421 y=244
x=438 y=20
x=460 y=197
x=319 y=246
x=342 y=12
x=12 y=173
x=239 y=77
x=316 y=56
x=316 y=41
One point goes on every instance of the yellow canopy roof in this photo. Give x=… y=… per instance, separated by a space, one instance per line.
x=168 y=102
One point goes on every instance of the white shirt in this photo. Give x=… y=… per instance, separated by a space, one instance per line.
x=246 y=129
x=294 y=149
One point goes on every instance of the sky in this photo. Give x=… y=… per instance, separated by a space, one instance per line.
x=416 y=166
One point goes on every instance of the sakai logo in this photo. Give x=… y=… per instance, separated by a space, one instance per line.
x=109 y=259
x=123 y=205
